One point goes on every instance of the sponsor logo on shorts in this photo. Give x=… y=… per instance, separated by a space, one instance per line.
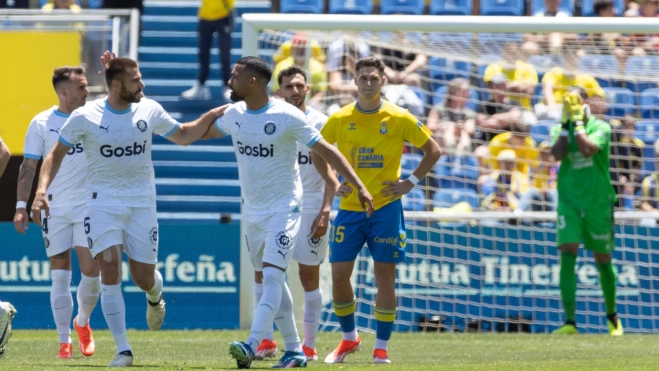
x=283 y=254
x=142 y=125
x=46 y=242
x=153 y=235
x=284 y=240
x=270 y=128
x=393 y=241
x=90 y=242
x=601 y=237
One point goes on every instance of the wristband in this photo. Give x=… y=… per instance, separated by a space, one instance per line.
x=413 y=179
x=579 y=129
x=21 y=205
x=564 y=133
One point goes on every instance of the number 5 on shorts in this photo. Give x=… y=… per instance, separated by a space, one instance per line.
x=87 y=226
x=561 y=222
x=337 y=234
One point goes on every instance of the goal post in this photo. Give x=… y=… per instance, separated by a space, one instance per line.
x=484 y=269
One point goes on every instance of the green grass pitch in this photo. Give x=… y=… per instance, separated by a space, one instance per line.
x=208 y=350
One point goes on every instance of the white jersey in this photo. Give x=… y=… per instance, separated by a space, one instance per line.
x=70 y=184
x=313 y=185
x=265 y=142
x=118 y=149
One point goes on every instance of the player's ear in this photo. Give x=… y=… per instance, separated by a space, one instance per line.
x=307 y=88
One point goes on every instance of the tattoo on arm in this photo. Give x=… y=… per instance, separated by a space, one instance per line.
x=25 y=178
x=63 y=255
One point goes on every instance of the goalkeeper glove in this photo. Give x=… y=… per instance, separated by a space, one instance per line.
x=574 y=107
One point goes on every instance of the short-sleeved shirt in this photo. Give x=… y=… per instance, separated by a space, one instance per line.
x=318 y=74
x=337 y=50
x=491 y=108
x=118 y=149
x=583 y=182
x=523 y=72
x=373 y=141
x=526 y=155
x=313 y=185
x=562 y=82
x=70 y=184
x=266 y=145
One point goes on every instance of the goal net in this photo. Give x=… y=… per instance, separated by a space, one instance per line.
x=481 y=242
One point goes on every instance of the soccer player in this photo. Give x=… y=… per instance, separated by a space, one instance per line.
x=371 y=133
x=66 y=227
x=265 y=134
x=7 y=310
x=116 y=134
x=585 y=204
x=317 y=198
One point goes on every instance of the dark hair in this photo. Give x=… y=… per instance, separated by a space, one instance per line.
x=600 y=5
x=578 y=89
x=370 y=62
x=291 y=71
x=62 y=74
x=258 y=66
x=118 y=67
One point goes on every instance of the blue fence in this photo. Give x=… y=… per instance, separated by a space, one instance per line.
x=199 y=263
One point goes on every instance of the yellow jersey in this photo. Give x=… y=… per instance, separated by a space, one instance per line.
x=318 y=74
x=372 y=141
x=562 y=82
x=212 y=10
x=526 y=155
x=523 y=72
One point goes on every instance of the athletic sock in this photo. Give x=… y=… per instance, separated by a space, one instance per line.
x=384 y=325
x=61 y=303
x=313 y=306
x=608 y=282
x=568 y=286
x=258 y=293
x=114 y=311
x=273 y=281
x=285 y=320
x=155 y=293
x=345 y=312
x=88 y=292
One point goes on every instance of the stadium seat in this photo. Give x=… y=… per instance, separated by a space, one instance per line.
x=539 y=6
x=303 y=6
x=603 y=65
x=650 y=104
x=415 y=200
x=502 y=7
x=588 y=11
x=453 y=40
x=638 y=68
x=620 y=102
x=492 y=43
x=451 y=7
x=543 y=63
x=540 y=131
x=445 y=70
x=408 y=164
x=648 y=166
x=472 y=103
x=351 y=6
x=647 y=131
x=445 y=198
x=456 y=172
x=414 y=7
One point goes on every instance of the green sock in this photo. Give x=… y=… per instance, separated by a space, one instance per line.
x=569 y=286
x=608 y=282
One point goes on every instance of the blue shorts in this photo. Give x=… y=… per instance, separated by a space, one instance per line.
x=383 y=232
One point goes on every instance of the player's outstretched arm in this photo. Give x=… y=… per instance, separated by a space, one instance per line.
x=431 y=154
x=559 y=149
x=332 y=184
x=25 y=178
x=197 y=129
x=338 y=162
x=49 y=169
x=5 y=155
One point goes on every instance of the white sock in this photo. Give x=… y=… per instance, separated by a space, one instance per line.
x=285 y=320
x=88 y=292
x=273 y=280
x=258 y=293
x=114 y=310
x=313 y=306
x=155 y=293
x=381 y=344
x=351 y=336
x=61 y=303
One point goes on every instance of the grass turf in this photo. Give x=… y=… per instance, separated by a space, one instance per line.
x=208 y=350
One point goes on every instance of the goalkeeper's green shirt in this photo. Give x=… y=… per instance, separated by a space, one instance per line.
x=585 y=182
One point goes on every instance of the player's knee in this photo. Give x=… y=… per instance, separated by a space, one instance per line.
x=110 y=273
x=602 y=258
x=572 y=248
x=309 y=277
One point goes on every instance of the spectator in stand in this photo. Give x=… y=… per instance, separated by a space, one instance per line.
x=626 y=158
x=544 y=195
x=215 y=16
x=61 y=5
x=650 y=42
x=497 y=114
x=318 y=80
x=519 y=141
x=555 y=40
x=285 y=50
x=451 y=122
x=605 y=43
x=341 y=67
x=631 y=9
x=402 y=67
x=556 y=82
x=506 y=185
x=522 y=78
x=649 y=196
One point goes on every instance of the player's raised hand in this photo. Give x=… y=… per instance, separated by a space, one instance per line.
x=40 y=203
x=320 y=224
x=396 y=189
x=21 y=220
x=344 y=190
x=105 y=59
x=366 y=200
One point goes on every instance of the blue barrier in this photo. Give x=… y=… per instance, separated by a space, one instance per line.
x=200 y=265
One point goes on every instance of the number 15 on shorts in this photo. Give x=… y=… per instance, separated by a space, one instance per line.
x=337 y=234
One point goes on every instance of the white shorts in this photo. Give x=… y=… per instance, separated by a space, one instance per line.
x=136 y=228
x=310 y=251
x=64 y=229
x=271 y=238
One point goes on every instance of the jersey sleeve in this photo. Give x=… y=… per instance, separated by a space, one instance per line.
x=414 y=131
x=645 y=186
x=601 y=136
x=329 y=130
x=34 y=143
x=550 y=77
x=164 y=125
x=223 y=124
x=73 y=130
x=553 y=134
x=303 y=131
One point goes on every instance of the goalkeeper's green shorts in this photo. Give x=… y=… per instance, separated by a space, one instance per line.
x=595 y=226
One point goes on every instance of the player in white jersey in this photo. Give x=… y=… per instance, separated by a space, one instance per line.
x=265 y=134
x=66 y=227
x=116 y=133
x=7 y=310
x=311 y=246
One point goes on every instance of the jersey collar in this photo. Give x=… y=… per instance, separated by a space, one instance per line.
x=260 y=110
x=371 y=111
x=61 y=114
x=115 y=111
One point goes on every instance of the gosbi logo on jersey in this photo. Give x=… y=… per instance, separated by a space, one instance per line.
x=303 y=159
x=256 y=151
x=75 y=149
x=133 y=150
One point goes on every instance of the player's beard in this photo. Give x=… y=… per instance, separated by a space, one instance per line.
x=235 y=97
x=300 y=100
x=130 y=97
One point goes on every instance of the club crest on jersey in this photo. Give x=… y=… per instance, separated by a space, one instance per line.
x=142 y=125
x=153 y=235
x=383 y=128
x=270 y=128
x=284 y=240
x=46 y=242
x=351 y=126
